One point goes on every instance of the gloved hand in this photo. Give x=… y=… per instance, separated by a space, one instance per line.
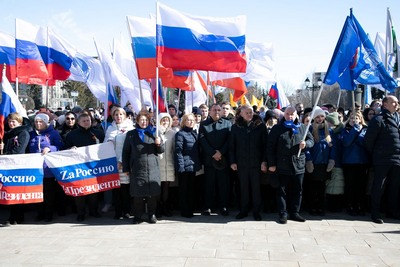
x=357 y=127
x=309 y=166
x=331 y=164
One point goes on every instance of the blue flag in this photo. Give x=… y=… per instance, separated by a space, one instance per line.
x=355 y=60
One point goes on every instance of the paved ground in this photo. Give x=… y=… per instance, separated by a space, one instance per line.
x=335 y=240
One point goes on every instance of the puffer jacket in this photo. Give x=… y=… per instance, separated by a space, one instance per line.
x=187 y=158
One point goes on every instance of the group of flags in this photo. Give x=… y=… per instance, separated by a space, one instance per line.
x=356 y=61
x=179 y=50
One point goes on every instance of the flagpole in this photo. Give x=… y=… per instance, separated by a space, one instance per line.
x=309 y=121
x=157 y=96
x=340 y=95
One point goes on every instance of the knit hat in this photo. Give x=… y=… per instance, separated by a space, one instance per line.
x=269 y=114
x=42 y=116
x=165 y=115
x=318 y=112
x=333 y=118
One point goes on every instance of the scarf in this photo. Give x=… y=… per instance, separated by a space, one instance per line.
x=292 y=125
x=141 y=131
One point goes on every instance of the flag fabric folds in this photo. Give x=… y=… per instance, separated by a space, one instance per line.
x=123 y=57
x=143 y=34
x=260 y=62
x=281 y=100
x=161 y=100
x=197 y=95
x=200 y=43
x=392 y=52
x=30 y=66
x=9 y=103
x=108 y=70
x=355 y=60
x=7 y=55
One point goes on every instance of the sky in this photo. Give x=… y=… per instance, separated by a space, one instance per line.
x=304 y=33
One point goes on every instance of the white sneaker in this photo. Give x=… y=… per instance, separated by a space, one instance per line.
x=128 y=216
x=106 y=208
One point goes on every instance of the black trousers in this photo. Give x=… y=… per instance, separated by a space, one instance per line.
x=93 y=204
x=355 y=183
x=385 y=176
x=289 y=193
x=250 y=184
x=122 y=200
x=186 y=192
x=139 y=204
x=216 y=183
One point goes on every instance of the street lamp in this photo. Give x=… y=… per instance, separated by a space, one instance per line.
x=74 y=94
x=313 y=87
x=23 y=101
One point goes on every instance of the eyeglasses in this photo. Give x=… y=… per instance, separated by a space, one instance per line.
x=70 y=119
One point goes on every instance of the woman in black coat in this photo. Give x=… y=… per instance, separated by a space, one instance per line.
x=15 y=142
x=187 y=162
x=140 y=162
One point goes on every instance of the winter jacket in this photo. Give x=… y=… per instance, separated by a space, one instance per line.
x=247 y=143
x=322 y=151
x=283 y=148
x=16 y=140
x=140 y=159
x=47 y=138
x=382 y=139
x=187 y=156
x=83 y=137
x=116 y=134
x=167 y=167
x=353 y=149
x=214 y=135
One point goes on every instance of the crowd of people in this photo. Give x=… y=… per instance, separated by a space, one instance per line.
x=220 y=159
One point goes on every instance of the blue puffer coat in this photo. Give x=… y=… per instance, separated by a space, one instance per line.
x=353 y=149
x=322 y=151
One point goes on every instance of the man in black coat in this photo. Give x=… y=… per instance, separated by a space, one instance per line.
x=214 y=141
x=382 y=140
x=85 y=135
x=283 y=145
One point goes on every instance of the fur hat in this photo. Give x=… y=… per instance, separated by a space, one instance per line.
x=318 y=112
x=333 y=118
x=270 y=114
x=42 y=116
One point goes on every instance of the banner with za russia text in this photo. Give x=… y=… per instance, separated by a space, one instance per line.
x=21 y=179
x=85 y=170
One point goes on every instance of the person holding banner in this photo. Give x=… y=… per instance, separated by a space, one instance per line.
x=16 y=141
x=141 y=162
x=85 y=135
x=116 y=134
x=44 y=139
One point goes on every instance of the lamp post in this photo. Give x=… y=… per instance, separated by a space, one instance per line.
x=23 y=100
x=74 y=94
x=313 y=87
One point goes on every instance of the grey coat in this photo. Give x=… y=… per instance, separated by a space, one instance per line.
x=140 y=159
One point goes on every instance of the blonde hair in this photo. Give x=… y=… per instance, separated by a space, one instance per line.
x=315 y=132
x=185 y=118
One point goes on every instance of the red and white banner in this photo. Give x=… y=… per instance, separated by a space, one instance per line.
x=21 y=179
x=85 y=170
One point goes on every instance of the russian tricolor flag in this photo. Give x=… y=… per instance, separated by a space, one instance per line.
x=200 y=43
x=7 y=55
x=279 y=95
x=41 y=54
x=9 y=103
x=31 y=68
x=143 y=34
